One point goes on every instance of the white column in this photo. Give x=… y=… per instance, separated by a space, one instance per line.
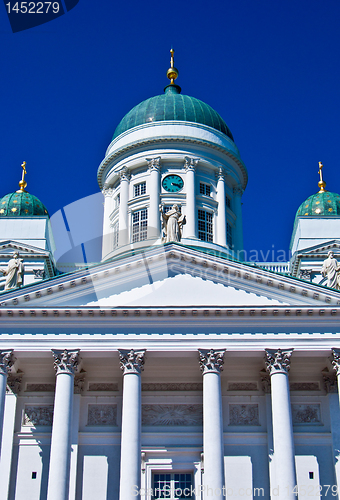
x=332 y=383
x=277 y=365
x=213 y=447
x=131 y=362
x=123 y=207
x=190 y=227
x=237 y=209
x=79 y=381
x=154 y=218
x=13 y=387
x=6 y=361
x=65 y=364
x=221 y=234
x=107 y=244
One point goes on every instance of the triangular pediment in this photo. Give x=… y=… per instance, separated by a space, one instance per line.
x=315 y=255
x=321 y=249
x=171 y=275
x=9 y=247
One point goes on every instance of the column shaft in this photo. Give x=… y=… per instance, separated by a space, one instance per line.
x=130 y=461
x=59 y=470
x=107 y=232
x=237 y=208
x=123 y=207
x=154 y=219
x=283 y=437
x=213 y=446
x=6 y=361
x=190 y=227
x=221 y=236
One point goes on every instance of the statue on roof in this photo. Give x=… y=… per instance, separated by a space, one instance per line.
x=173 y=221
x=14 y=272
x=331 y=271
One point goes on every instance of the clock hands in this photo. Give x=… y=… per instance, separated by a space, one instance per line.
x=177 y=185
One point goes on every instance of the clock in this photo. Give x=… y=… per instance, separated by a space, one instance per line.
x=172 y=183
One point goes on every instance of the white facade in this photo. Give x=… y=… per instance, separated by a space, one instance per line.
x=171 y=366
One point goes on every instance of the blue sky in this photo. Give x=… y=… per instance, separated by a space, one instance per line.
x=271 y=69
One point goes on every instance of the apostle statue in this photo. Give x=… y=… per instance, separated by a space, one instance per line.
x=330 y=269
x=173 y=221
x=14 y=272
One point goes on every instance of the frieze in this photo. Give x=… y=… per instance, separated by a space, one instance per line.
x=40 y=388
x=174 y=386
x=306 y=413
x=304 y=386
x=102 y=386
x=244 y=414
x=242 y=386
x=104 y=414
x=35 y=416
x=172 y=414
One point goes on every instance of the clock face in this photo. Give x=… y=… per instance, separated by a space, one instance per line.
x=172 y=183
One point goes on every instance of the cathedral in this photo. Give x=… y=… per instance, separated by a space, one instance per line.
x=172 y=368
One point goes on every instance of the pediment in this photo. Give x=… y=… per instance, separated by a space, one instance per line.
x=171 y=275
x=9 y=247
x=321 y=249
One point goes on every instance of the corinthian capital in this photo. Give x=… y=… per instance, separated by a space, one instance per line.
x=277 y=361
x=220 y=173
x=190 y=163
x=107 y=192
x=211 y=361
x=124 y=174
x=66 y=361
x=335 y=360
x=238 y=191
x=154 y=163
x=7 y=360
x=131 y=361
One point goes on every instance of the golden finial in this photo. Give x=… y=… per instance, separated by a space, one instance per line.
x=172 y=72
x=321 y=182
x=22 y=183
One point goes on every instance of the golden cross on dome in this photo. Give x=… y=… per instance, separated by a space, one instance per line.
x=321 y=182
x=23 y=183
x=172 y=72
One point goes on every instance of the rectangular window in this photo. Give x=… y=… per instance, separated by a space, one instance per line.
x=139 y=225
x=174 y=486
x=205 y=225
x=115 y=234
x=139 y=189
x=205 y=189
x=228 y=202
x=117 y=200
x=229 y=236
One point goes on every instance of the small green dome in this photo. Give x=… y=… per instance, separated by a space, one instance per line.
x=172 y=106
x=322 y=204
x=22 y=204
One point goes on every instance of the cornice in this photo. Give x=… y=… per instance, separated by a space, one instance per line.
x=159 y=140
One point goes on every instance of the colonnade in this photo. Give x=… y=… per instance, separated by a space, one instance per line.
x=153 y=189
x=66 y=363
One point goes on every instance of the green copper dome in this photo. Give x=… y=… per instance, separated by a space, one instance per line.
x=21 y=204
x=322 y=204
x=172 y=106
